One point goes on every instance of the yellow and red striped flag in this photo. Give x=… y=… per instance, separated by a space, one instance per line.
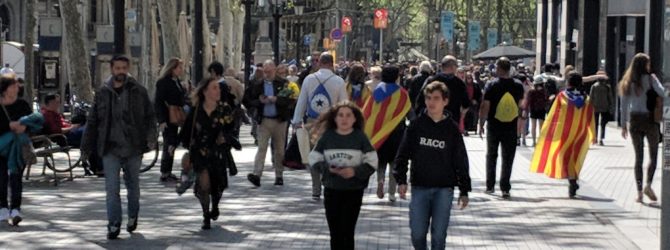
x=565 y=137
x=383 y=111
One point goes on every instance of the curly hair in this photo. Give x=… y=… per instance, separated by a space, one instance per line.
x=327 y=120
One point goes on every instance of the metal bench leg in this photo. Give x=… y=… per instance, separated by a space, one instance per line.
x=69 y=163
x=27 y=171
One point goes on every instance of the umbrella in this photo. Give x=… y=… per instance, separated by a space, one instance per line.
x=509 y=51
x=184 y=39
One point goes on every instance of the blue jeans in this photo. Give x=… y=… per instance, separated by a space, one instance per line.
x=430 y=206
x=131 y=175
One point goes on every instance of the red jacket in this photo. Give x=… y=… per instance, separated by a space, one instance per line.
x=54 y=122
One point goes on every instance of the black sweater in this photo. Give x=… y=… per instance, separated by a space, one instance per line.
x=168 y=91
x=437 y=153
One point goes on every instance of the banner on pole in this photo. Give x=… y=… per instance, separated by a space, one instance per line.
x=346 y=24
x=381 y=19
x=447 y=25
x=507 y=38
x=473 y=35
x=492 y=38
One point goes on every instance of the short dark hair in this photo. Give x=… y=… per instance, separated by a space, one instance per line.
x=504 y=64
x=326 y=58
x=6 y=80
x=548 y=67
x=437 y=86
x=121 y=58
x=575 y=79
x=50 y=97
x=390 y=73
x=216 y=67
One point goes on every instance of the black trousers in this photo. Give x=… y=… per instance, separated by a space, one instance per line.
x=170 y=138
x=601 y=121
x=506 y=138
x=14 y=182
x=342 y=209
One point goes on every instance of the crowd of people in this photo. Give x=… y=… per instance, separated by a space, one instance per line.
x=358 y=120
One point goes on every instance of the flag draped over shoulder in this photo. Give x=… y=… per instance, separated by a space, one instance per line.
x=383 y=111
x=565 y=137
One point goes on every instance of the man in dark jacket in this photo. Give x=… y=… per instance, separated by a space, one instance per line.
x=416 y=83
x=458 y=97
x=439 y=163
x=122 y=127
x=272 y=116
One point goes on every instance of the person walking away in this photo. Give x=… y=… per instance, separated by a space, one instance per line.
x=170 y=94
x=603 y=103
x=458 y=99
x=469 y=121
x=356 y=88
x=565 y=138
x=536 y=99
x=500 y=108
x=272 y=116
x=375 y=77
x=11 y=168
x=320 y=91
x=417 y=82
x=385 y=112
x=639 y=89
x=345 y=160
x=209 y=134
x=123 y=126
x=435 y=147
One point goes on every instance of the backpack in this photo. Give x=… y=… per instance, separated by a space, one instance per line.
x=320 y=100
x=507 y=109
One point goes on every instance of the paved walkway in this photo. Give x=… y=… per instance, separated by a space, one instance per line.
x=539 y=216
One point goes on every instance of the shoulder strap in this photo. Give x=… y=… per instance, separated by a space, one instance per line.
x=325 y=81
x=6 y=113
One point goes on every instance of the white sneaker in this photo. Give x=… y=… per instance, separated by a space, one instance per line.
x=392 y=198
x=4 y=214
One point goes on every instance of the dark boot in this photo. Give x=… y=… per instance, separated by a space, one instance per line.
x=113 y=231
x=214 y=215
x=572 y=190
x=206 y=223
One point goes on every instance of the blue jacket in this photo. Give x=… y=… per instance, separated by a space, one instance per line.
x=10 y=143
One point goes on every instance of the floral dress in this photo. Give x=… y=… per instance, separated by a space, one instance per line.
x=200 y=134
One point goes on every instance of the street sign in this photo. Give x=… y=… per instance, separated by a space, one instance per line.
x=447 y=25
x=381 y=19
x=492 y=38
x=346 y=24
x=336 y=34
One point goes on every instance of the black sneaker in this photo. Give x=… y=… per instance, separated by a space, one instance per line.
x=279 y=181
x=113 y=231
x=254 y=180
x=506 y=195
x=572 y=190
x=316 y=197
x=214 y=215
x=132 y=225
x=489 y=191
x=169 y=178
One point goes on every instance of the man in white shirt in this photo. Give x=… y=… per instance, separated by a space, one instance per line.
x=320 y=91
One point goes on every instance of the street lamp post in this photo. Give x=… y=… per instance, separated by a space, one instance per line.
x=119 y=27
x=276 y=14
x=437 y=39
x=299 y=9
x=247 y=39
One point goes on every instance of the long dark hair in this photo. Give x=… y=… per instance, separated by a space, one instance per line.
x=633 y=76
x=198 y=96
x=357 y=74
x=327 y=120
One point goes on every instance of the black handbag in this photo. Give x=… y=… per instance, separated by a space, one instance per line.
x=292 y=158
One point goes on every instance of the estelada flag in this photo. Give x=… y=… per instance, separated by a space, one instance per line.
x=383 y=111
x=565 y=137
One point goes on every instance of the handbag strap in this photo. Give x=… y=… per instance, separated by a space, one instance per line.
x=193 y=127
x=6 y=113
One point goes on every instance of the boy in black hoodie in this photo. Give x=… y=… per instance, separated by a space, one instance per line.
x=439 y=163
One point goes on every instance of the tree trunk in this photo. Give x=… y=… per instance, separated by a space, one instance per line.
x=168 y=16
x=238 y=25
x=78 y=70
x=28 y=51
x=227 y=22
x=207 y=43
x=147 y=71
